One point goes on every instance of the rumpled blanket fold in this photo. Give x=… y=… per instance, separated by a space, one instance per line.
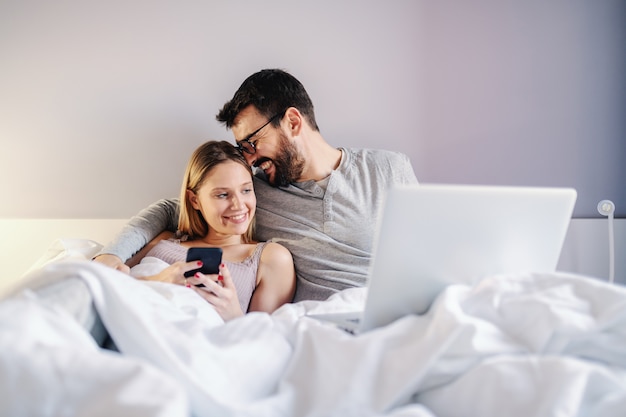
x=515 y=345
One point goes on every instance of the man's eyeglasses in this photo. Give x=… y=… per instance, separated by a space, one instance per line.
x=248 y=147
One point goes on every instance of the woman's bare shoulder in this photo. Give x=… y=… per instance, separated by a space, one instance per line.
x=276 y=253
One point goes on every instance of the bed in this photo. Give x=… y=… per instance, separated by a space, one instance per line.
x=78 y=338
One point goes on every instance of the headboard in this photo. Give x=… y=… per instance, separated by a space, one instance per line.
x=24 y=241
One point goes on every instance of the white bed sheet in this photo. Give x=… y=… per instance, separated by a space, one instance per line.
x=520 y=345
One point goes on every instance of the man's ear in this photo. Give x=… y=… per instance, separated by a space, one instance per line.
x=193 y=199
x=295 y=120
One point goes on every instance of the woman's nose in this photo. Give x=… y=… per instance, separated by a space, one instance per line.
x=235 y=201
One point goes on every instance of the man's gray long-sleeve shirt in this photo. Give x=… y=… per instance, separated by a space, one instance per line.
x=328 y=228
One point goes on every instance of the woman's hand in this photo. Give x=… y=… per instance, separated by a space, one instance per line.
x=219 y=291
x=112 y=261
x=175 y=273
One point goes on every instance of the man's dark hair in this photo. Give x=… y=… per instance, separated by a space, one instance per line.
x=271 y=91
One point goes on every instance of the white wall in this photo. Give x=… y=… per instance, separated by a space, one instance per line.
x=586 y=249
x=525 y=92
x=102 y=102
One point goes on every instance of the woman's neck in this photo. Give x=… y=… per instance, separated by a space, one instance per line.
x=221 y=240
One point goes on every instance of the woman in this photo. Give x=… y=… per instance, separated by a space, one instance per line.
x=217 y=210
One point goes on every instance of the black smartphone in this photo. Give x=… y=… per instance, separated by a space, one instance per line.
x=211 y=259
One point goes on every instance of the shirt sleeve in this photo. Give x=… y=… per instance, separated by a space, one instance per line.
x=143 y=227
x=406 y=172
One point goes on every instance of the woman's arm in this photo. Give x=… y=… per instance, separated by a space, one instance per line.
x=144 y=251
x=276 y=279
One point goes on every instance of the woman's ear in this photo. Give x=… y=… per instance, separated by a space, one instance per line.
x=295 y=120
x=193 y=199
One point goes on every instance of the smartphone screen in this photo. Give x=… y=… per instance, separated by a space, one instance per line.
x=211 y=259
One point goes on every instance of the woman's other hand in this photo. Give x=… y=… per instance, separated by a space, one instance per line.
x=175 y=273
x=112 y=261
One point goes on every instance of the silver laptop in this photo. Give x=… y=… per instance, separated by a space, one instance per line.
x=430 y=236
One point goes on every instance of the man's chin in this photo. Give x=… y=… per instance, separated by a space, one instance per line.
x=259 y=173
x=271 y=177
x=278 y=181
x=271 y=180
x=262 y=175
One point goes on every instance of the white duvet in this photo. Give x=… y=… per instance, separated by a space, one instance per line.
x=519 y=345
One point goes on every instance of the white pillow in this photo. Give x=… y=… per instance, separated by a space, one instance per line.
x=67 y=249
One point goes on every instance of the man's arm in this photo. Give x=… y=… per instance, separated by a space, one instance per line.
x=140 y=229
x=403 y=171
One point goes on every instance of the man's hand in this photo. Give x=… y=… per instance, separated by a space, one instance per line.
x=112 y=261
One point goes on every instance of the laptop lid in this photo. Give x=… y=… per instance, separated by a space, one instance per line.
x=430 y=236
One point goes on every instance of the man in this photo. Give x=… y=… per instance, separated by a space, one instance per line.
x=320 y=202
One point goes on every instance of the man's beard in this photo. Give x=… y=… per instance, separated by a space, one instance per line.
x=288 y=163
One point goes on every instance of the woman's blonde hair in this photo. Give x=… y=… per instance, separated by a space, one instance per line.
x=207 y=156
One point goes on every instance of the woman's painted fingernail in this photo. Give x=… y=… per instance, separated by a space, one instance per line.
x=197 y=275
x=199 y=263
x=222 y=265
x=220 y=277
